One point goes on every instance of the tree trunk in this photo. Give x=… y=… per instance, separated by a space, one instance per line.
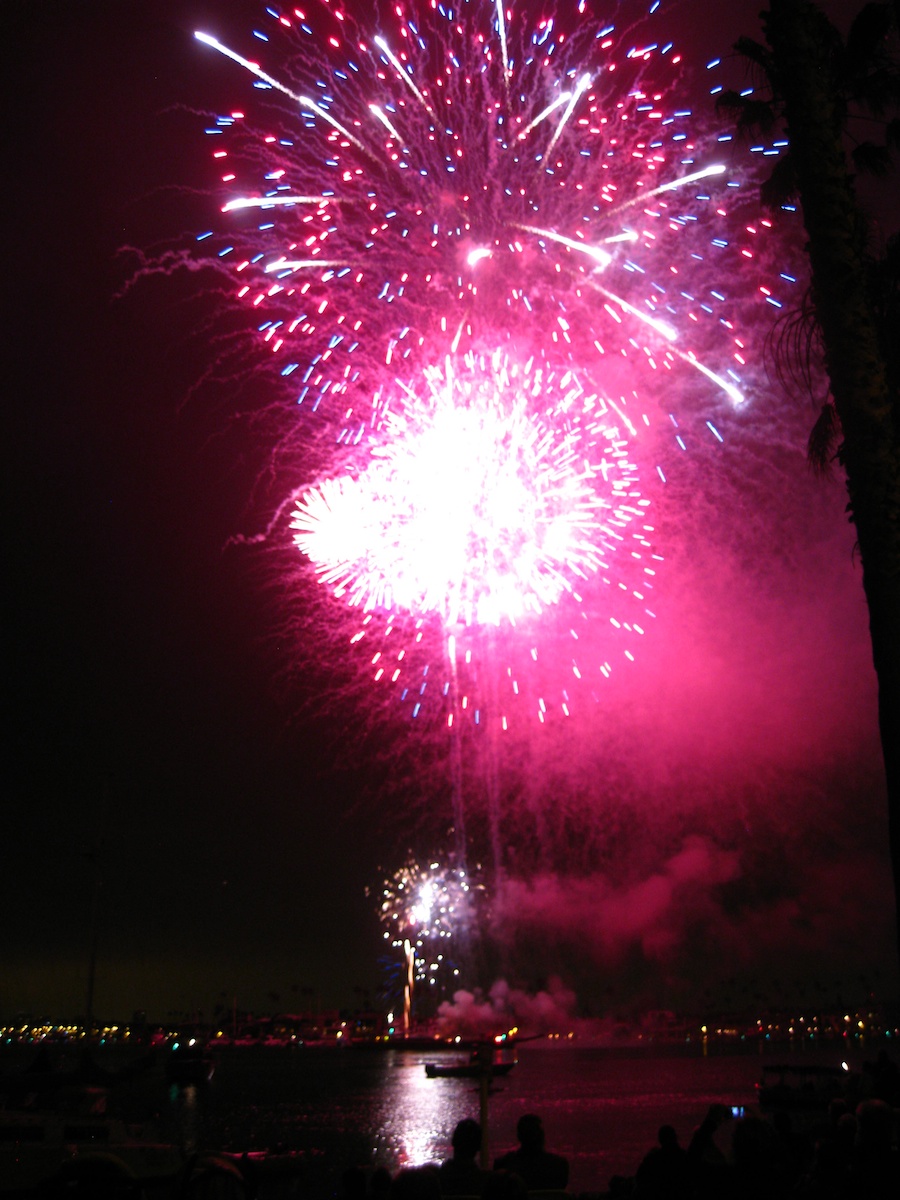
x=801 y=41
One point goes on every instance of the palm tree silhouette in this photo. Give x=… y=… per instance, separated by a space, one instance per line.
x=821 y=87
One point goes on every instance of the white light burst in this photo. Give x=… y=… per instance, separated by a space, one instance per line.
x=493 y=488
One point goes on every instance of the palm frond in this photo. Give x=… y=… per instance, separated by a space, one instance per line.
x=758 y=54
x=867 y=33
x=824 y=442
x=876 y=90
x=794 y=348
x=870 y=158
x=781 y=186
x=749 y=115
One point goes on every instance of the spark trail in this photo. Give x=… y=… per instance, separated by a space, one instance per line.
x=442 y=175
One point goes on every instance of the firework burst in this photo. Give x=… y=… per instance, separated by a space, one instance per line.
x=430 y=210
x=429 y=905
x=426 y=912
x=495 y=490
x=447 y=174
x=525 y=510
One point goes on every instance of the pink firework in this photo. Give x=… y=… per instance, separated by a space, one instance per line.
x=495 y=254
x=493 y=489
x=424 y=181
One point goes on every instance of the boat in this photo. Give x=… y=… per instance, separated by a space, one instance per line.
x=484 y=1062
x=467 y=1070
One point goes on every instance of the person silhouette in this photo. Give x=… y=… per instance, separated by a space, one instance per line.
x=539 y=1169
x=664 y=1173
x=461 y=1175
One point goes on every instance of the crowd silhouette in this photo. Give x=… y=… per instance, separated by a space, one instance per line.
x=847 y=1155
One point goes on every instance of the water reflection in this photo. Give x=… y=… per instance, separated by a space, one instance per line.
x=187 y=1116
x=417 y=1114
x=601 y=1108
x=426 y=1113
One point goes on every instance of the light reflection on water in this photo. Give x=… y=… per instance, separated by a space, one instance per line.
x=415 y=1114
x=353 y=1107
x=186 y=1105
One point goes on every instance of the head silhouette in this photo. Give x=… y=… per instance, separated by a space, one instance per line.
x=667 y=1136
x=466 y=1138
x=530 y=1132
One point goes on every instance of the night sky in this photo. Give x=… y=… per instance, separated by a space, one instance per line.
x=160 y=741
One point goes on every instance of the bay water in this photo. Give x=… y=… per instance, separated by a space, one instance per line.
x=601 y=1105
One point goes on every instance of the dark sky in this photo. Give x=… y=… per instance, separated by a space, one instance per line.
x=155 y=740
